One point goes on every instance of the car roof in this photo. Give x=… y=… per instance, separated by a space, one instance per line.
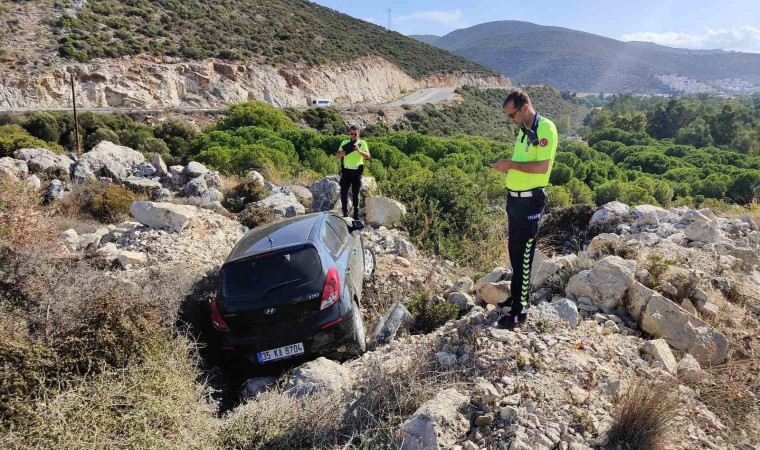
x=283 y=233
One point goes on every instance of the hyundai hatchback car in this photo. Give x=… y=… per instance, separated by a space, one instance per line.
x=293 y=287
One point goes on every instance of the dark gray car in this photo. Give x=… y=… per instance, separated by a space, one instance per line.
x=293 y=287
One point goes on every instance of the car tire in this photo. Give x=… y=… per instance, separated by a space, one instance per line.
x=357 y=343
x=370 y=263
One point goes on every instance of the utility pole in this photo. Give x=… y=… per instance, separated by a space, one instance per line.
x=389 y=19
x=76 y=121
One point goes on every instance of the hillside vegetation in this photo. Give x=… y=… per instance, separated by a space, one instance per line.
x=480 y=113
x=628 y=158
x=276 y=31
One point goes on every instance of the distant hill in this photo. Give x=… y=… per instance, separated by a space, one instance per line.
x=585 y=62
x=426 y=38
x=272 y=31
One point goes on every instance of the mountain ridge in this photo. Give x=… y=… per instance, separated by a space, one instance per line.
x=580 y=61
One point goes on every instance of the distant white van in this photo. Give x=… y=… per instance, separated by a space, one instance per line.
x=319 y=102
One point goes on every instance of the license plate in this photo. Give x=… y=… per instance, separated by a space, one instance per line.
x=280 y=353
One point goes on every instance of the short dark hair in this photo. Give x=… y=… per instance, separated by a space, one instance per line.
x=518 y=97
x=354 y=128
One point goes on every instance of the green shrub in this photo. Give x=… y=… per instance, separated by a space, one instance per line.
x=244 y=193
x=259 y=114
x=255 y=217
x=559 y=197
x=428 y=315
x=112 y=204
x=101 y=134
x=43 y=125
x=13 y=137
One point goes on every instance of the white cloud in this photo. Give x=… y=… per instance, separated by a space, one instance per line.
x=743 y=39
x=449 y=18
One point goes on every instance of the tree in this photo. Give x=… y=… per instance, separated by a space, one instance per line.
x=258 y=114
x=697 y=133
x=725 y=126
x=580 y=191
x=561 y=173
x=563 y=124
x=44 y=126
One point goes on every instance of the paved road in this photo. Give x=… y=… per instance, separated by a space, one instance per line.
x=429 y=95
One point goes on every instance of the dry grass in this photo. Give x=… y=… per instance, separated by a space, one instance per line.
x=731 y=391
x=388 y=393
x=277 y=421
x=644 y=416
x=89 y=361
x=153 y=404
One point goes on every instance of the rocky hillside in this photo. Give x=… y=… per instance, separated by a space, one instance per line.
x=208 y=55
x=648 y=336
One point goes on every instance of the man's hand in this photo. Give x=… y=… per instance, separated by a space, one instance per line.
x=340 y=154
x=501 y=165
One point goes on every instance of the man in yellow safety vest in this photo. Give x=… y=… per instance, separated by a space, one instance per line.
x=351 y=153
x=527 y=178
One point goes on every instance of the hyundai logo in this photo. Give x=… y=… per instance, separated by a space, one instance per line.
x=270 y=311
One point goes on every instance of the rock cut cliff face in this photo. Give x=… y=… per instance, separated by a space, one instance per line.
x=150 y=83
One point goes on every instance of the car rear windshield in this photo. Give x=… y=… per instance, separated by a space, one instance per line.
x=262 y=275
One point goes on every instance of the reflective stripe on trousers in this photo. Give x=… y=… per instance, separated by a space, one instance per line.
x=524 y=214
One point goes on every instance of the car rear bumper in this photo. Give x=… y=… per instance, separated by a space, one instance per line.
x=317 y=340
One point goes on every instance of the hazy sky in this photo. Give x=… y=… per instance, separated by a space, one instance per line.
x=699 y=24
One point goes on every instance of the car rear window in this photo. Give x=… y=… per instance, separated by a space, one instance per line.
x=259 y=276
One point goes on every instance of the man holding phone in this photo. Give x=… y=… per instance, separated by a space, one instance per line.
x=527 y=178
x=351 y=153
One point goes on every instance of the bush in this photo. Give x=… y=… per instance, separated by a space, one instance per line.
x=112 y=204
x=43 y=125
x=645 y=415
x=564 y=225
x=255 y=217
x=259 y=114
x=13 y=137
x=101 y=134
x=559 y=197
x=244 y=193
x=428 y=315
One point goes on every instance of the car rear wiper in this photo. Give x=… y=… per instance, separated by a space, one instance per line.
x=281 y=285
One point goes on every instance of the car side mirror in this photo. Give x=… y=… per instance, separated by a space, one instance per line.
x=356 y=225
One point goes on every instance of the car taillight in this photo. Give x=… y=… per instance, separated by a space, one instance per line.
x=331 y=291
x=216 y=317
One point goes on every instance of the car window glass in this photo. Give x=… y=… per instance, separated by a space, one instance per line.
x=339 y=226
x=260 y=276
x=331 y=240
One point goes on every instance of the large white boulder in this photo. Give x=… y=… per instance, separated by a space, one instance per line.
x=319 y=375
x=605 y=284
x=383 y=211
x=108 y=160
x=438 y=423
x=660 y=351
x=163 y=215
x=610 y=211
x=41 y=160
x=662 y=215
x=701 y=231
x=13 y=168
x=325 y=193
x=664 y=319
